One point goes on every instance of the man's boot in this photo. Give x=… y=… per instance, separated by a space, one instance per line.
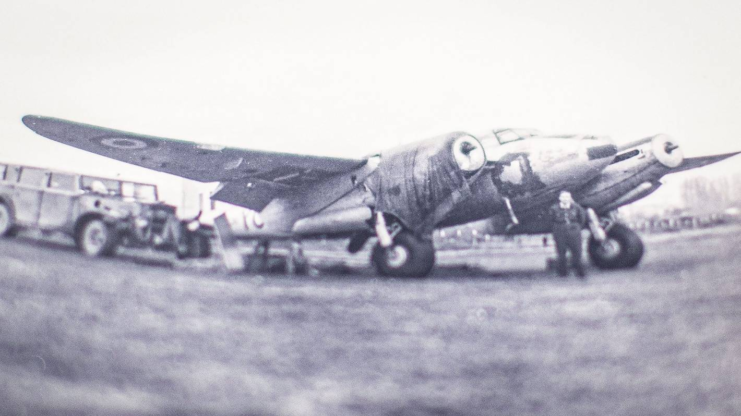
x=580 y=270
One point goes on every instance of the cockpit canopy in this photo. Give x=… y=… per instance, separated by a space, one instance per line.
x=510 y=135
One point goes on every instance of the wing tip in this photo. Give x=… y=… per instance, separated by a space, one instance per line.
x=723 y=156
x=698 y=162
x=30 y=120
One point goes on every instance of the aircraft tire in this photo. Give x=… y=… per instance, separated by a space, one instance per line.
x=409 y=256
x=622 y=250
x=96 y=238
x=7 y=221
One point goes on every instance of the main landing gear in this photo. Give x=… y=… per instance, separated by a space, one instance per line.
x=621 y=248
x=400 y=253
x=407 y=256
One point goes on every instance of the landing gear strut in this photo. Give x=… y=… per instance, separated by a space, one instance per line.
x=621 y=249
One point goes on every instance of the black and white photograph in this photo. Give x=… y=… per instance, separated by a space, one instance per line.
x=285 y=208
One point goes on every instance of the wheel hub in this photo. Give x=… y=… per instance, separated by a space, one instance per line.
x=609 y=249
x=397 y=256
x=95 y=238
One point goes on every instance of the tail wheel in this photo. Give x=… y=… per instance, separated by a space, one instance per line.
x=7 y=221
x=96 y=238
x=408 y=256
x=622 y=249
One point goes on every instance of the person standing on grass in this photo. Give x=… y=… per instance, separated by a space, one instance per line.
x=567 y=219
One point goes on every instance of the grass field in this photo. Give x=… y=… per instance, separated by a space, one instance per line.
x=112 y=337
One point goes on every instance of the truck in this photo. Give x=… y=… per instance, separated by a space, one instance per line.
x=100 y=214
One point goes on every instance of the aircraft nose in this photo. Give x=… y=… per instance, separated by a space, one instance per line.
x=600 y=149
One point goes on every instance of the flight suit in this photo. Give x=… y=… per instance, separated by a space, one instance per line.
x=567 y=226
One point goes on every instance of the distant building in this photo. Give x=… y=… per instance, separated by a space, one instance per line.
x=692 y=193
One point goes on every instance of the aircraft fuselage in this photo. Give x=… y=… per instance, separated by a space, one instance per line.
x=530 y=172
x=425 y=189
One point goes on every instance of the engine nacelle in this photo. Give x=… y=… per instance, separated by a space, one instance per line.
x=421 y=183
x=666 y=151
x=633 y=174
x=468 y=153
x=660 y=147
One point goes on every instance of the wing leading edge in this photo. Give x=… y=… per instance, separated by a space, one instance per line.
x=251 y=178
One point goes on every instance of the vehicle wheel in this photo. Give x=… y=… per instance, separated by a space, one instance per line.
x=96 y=238
x=7 y=221
x=622 y=249
x=408 y=256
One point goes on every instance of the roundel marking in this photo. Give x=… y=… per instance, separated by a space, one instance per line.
x=128 y=144
x=125 y=143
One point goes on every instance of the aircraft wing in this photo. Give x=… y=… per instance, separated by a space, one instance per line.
x=698 y=162
x=250 y=178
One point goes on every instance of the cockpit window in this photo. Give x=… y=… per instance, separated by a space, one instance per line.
x=510 y=135
x=506 y=136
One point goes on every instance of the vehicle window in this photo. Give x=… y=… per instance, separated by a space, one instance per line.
x=33 y=177
x=127 y=190
x=146 y=193
x=101 y=185
x=3 y=168
x=12 y=174
x=62 y=181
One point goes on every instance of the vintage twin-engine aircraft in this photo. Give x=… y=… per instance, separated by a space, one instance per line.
x=401 y=195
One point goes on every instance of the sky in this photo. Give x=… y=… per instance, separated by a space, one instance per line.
x=348 y=79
